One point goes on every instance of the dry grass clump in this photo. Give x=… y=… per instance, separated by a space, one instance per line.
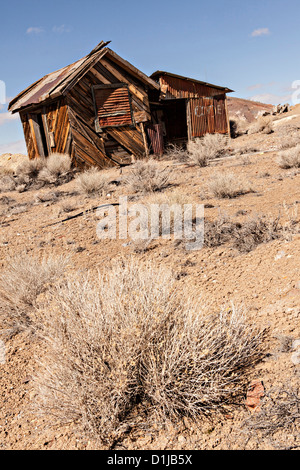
x=263 y=124
x=56 y=166
x=219 y=231
x=54 y=169
x=257 y=230
x=23 y=279
x=30 y=168
x=128 y=342
x=4 y=171
x=279 y=416
x=288 y=140
x=92 y=182
x=176 y=152
x=238 y=126
x=148 y=177
x=211 y=146
x=254 y=231
x=228 y=185
x=289 y=158
x=7 y=183
x=162 y=214
x=66 y=207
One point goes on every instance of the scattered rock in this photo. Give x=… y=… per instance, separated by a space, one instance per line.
x=280 y=254
x=256 y=391
x=296 y=358
x=296 y=344
x=79 y=249
x=281 y=108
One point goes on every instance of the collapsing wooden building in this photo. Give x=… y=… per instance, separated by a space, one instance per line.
x=103 y=111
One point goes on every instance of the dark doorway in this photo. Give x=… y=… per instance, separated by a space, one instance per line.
x=39 y=134
x=43 y=134
x=175 y=118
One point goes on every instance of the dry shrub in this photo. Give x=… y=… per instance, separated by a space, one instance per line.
x=49 y=196
x=279 y=416
x=4 y=171
x=54 y=169
x=262 y=124
x=141 y=246
x=246 y=160
x=211 y=146
x=129 y=342
x=175 y=196
x=228 y=185
x=56 y=166
x=238 y=126
x=66 y=207
x=289 y=158
x=219 y=231
x=7 y=183
x=23 y=279
x=288 y=139
x=257 y=230
x=176 y=152
x=92 y=181
x=163 y=210
x=30 y=168
x=148 y=177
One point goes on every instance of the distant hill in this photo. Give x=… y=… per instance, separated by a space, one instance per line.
x=247 y=108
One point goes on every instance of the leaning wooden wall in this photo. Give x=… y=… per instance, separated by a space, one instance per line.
x=115 y=145
x=29 y=135
x=56 y=128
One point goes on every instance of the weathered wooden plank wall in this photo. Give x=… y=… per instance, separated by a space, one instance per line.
x=27 y=134
x=115 y=145
x=56 y=129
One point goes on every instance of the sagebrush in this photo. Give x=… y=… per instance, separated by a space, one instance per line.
x=211 y=146
x=148 y=177
x=289 y=158
x=228 y=185
x=92 y=182
x=23 y=279
x=128 y=341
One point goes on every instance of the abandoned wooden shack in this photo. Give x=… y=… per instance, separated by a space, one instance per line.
x=103 y=111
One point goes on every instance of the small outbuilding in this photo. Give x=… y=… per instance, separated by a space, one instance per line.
x=103 y=111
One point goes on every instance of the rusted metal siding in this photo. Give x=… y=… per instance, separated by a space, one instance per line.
x=207 y=115
x=113 y=106
x=179 y=88
x=221 y=116
x=155 y=133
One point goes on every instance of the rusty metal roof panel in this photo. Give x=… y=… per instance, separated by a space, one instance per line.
x=61 y=81
x=186 y=84
x=42 y=89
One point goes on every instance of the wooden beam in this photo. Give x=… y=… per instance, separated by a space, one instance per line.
x=131 y=69
x=138 y=93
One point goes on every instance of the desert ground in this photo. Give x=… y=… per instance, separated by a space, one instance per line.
x=256 y=269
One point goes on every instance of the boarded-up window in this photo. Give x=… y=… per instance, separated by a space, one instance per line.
x=113 y=105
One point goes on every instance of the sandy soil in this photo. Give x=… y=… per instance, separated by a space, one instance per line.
x=265 y=281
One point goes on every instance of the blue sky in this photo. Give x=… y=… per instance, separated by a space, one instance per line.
x=250 y=47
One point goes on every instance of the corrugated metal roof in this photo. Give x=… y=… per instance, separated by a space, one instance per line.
x=159 y=73
x=56 y=83
x=42 y=89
